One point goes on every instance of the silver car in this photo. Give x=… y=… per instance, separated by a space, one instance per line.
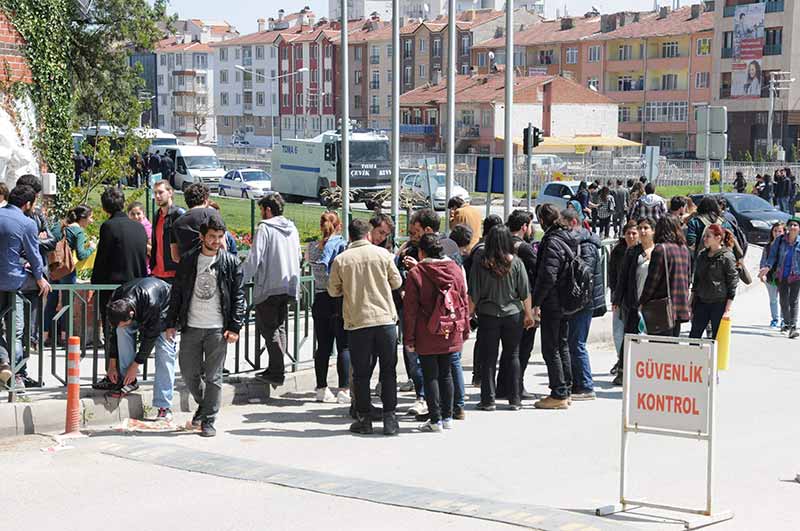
x=557 y=193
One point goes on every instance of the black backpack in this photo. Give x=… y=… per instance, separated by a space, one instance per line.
x=576 y=282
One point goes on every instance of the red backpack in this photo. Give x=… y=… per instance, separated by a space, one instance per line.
x=448 y=316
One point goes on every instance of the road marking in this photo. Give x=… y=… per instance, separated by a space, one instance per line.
x=523 y=515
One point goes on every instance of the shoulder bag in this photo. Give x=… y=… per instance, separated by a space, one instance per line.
x=658 y=314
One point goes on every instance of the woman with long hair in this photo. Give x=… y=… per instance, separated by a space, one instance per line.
x=327 y=311
x=668 y=274
x=752 y=85
x=708 y=213
x=637 y=192
x=73 y=228
x=629 y=239
x=630 y=283
x=605 y=208
x=768 y=276
x=499 y=294
x=715 y=281
x=435 y=325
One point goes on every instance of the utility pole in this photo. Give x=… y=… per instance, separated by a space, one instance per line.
x=529 y=162
x=396 y=118
x=345 y=148
x=452 y=65
x=508 y=185
x=778 y=82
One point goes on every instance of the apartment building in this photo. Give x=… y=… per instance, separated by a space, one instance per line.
x=564 y=108
x=775 y=47
x=424 y=43
x=361 y=9
x=185 y=90
x=431 y=9
x=656 y=65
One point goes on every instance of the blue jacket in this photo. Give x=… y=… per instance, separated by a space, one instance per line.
x=19 y=242
x=777 y=254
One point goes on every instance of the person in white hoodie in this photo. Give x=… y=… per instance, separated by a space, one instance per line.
x=273 y=264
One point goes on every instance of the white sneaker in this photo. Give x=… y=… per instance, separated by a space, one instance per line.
x=431 y=427
x=447 y=424
x=324 y=394
x=406 y=386
x=418 y=408
x=344 y=396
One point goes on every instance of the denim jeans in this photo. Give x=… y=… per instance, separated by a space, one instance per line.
x=458 y=379
x=414 y=371
x=19 y=315
x=704 y=313
x=328 y=327
x=491 y=333
x=439 y=385
x=164 y=380
x=367 y=344
x=784 y=203
x=578 y=333
x=202 y=357
x=788 y=295
x=618 y=329
x=555 y=351
x=774 y=307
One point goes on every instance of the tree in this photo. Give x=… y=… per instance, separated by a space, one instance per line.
x=198 y=111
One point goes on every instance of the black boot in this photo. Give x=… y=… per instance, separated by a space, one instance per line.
x=390 y=426
x=362 y=426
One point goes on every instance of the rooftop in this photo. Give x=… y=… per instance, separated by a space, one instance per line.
x=171 y=44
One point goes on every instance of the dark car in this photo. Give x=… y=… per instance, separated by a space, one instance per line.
x=754 y=215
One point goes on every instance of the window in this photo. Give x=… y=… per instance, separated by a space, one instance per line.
x=774 y=41
x=237 y=75
x=481 y=59
x=259 y=52
x=357 y=53
x=594 y=54
x=572 y=56
x=327 y=100
x=179 y=59
x=223 y=54
x=236 y=53
x=260 y=77
x=465 y=45
x=375 y=106
x=389 y=76
x=200 y=81
x=669 y=49
x=625 y=52
x=223 y=99
x=593 y=83
x=408 y=49
x=161 y=120
x=624 y=114
x=357 y=76
x=260 y=100
x=545 y=57
x=272 y=52
x=299 y=99
x=468 y=117
x=407 y=75
x=702 y=80
x=238 y=99
x=376 y=79
x=298 y=51
x=465 y=68
x=181 y=81
x=666 y=143
x=285 y=100
x=389 y=101
x=223 y=76
x=704 y=46
x=666 y=111
x=388 y=50
x=357 y=101
x=669 y=82
x=163 y=99
x=312 y=51
x=160 y=80
x=163 y=60
x=329 y=51
x=486 y=118
x=422 y=45
x=422 y=71
x=625 y=83
x=328 y=75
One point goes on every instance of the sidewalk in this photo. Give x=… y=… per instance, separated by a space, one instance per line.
x=42 y=411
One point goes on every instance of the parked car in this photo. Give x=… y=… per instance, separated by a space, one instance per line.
x=247 y=183
x=548 y=162
x=754 y=215
x=418 y=182
x=557 y=193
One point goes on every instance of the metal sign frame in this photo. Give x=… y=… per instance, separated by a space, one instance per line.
x=626 y=503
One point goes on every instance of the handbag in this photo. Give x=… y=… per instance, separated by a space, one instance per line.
x=744 y=274
x=658 y=314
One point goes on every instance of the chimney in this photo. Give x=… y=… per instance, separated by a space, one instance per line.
x=468 y=15
x=261 y=25
x=271 y=23
x=608 y=23
x=696 y=10
x=567 y=23
x=436 y=77
x=280 y=14
x=663 y=12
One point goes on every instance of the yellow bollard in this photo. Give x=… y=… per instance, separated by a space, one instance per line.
x=723 y=344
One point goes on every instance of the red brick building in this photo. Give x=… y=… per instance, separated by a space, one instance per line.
x=12 y=59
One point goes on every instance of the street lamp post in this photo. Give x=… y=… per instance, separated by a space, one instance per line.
x=271 y=79
x=778 y=82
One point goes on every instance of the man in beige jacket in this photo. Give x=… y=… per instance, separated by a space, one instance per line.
x=365 y=275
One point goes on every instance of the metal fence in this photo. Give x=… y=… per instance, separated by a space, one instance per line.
x=593 y=165
x=79 y=309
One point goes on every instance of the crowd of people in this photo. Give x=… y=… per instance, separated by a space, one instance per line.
x=672 y=264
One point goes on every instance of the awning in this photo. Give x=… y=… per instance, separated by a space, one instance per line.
x=578 y=141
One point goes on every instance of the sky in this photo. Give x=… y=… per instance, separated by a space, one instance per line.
x=241 y=14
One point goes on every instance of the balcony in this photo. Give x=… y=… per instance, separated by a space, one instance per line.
x=417 y=129
x=773 y=49
x=374 y=59
x=772 y=6
x=468 y=131
x=374 y=85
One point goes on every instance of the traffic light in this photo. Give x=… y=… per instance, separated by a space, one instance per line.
x=531 y=137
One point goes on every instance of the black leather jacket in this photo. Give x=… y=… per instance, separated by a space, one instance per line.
x=229 y=281
x=150 y=298
x=173 y=214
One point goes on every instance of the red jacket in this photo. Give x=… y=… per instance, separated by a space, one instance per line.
x=420 y=299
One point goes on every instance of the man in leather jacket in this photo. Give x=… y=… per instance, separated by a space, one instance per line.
x=208 y=305
x=140 y=306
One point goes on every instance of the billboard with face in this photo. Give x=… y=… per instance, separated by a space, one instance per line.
x=748 y=51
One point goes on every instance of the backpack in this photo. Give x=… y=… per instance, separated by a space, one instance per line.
x=61 y=260
x=576 y=282
x=447 y=316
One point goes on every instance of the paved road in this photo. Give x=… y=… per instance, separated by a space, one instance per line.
x=292 y=464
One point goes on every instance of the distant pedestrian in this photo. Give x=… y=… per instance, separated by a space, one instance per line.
x=462 y=213
x=435 y=325
x=740 y=183
x=136 y=213
x=273 y=265
x=605 y=209
x=768 y=276
x=784 y=259
x=167 y=168
x=620 y=194
x=207 y=304
x=365 y=276
x=651 y=205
